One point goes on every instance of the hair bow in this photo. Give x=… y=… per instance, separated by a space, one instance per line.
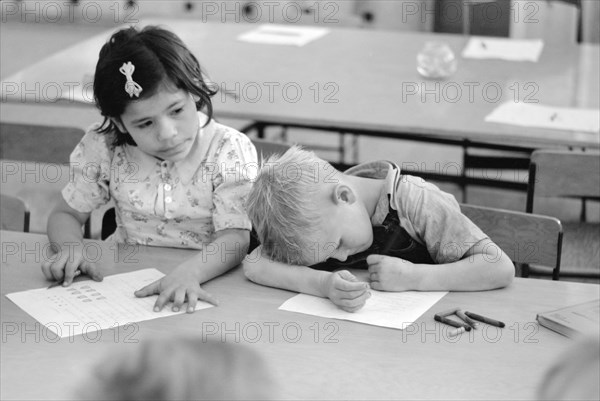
x=131 y=87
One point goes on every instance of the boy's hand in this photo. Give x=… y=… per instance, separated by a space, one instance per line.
x=178 y=286
x=62 y=266
x=390 y=274
x=345 y=291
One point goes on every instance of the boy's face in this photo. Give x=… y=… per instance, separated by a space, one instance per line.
x=345 y=227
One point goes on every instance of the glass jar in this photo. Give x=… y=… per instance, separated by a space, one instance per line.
x=436 y=60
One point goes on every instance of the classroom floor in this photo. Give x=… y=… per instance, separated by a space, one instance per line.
x=22 y=44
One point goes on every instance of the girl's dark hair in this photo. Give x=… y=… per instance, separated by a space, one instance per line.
x=159 y=57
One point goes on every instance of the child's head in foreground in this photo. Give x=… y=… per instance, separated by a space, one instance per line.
x=575 y=373
x=136 y=67
x=178 y=368
x=305 y=211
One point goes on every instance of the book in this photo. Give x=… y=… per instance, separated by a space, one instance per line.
x=574 y=320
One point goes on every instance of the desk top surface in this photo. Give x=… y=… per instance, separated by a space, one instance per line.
x=356 y=79
x=311 y=357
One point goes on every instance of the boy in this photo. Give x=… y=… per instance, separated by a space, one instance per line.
x=306 y=213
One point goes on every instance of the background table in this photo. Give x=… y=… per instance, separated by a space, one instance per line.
x=311 y=357
x=356 y=81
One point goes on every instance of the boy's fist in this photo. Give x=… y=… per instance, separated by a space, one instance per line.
x=345 y=291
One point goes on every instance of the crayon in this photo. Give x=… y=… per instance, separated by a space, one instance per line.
x=455 y=332
x=467 y=319
x=448 y=312
x=451 y=322
x=484 y=319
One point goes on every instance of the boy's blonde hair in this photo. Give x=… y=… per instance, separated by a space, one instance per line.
x=281 y=203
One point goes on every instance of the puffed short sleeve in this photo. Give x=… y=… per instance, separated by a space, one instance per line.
x=236 y=169
x=90 y=165
x=434 y=218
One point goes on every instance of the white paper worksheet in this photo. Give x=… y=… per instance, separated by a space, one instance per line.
x=88 y=306
x=387 y=309
x=542 y=116
x=274 y=34
x=484 y=47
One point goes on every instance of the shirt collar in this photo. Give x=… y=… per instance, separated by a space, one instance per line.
x=187 y=168
x=383 y=170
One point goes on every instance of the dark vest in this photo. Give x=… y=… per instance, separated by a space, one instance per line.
x=389 y=239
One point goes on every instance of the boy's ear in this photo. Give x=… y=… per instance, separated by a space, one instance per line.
x=117 y=122
x=342 y=193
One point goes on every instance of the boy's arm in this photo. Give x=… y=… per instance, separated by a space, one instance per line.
x=262 y=270
x=483 y=267
x=183 y=283
x=342 y=288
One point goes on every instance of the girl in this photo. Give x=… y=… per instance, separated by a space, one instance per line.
x=176 y=176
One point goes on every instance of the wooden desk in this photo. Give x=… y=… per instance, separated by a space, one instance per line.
x=312 y=357
x=356 y=81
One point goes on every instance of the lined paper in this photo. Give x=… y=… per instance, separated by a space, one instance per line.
x=275 y=34
x=484 y=47
x=88 y=306
x=537 y=115
x=396 y=310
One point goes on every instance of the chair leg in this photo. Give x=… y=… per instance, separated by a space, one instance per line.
x=583 y=215
x=342 y=147
x=463 y=176
x=87 y=229
x=26 y=218
x=283 y=134
x=260 y=130
x=355 y=149
x=525 y=270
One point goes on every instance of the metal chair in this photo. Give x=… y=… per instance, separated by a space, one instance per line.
x=38 y=143
x=34 y=164
x=573 y=174
x=14 y=215
x=38 y=185
x=265 y=148
x=525 y=238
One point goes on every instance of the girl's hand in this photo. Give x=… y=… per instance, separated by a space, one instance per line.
x=346 y=292
x=391 y=274
x=179 y=286
x=63 y=265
